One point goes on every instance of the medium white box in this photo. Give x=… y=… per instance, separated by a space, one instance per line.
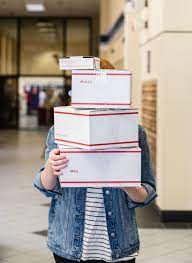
x=96 y=129
x=101 y=89
x=79 y=62
x=116 y=167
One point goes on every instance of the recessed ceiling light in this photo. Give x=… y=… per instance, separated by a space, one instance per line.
x=35 y=7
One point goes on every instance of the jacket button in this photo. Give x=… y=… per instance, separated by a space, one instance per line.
x=113 y=234
x=107 y=192
x=117 y=255
x=109 y=213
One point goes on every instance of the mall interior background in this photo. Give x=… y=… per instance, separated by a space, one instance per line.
x=151 y=38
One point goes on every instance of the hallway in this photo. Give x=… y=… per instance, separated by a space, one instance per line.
x=23 y=214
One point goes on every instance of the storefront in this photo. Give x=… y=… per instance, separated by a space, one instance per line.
x=29 y=52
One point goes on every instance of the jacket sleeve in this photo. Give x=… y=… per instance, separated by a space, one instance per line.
x=37 y=182
x=147 y=177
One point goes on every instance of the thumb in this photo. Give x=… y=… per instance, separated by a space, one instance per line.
x=56 y=151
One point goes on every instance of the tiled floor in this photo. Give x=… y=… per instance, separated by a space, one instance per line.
x=24 y=211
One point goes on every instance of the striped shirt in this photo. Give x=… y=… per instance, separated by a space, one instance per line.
x=96 y=245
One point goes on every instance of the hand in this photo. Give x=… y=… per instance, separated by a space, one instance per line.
x=57 y=161
x=137 y=194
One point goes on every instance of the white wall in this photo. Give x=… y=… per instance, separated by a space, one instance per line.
x=156 y=17
x=167 y=15
x=177 y=14
x=171 y=60
x=178 y=101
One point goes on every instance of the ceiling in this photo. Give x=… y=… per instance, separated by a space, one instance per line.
x=53 y=8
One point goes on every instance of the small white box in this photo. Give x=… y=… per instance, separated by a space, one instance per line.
x=116 y=167
x=101 y=89
x=79 y=62
x=96 y=129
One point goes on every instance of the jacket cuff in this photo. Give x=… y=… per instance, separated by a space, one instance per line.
x=40 y=187
x=150 y=197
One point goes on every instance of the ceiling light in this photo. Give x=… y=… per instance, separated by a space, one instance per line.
x=45 y=24
x=35 y=7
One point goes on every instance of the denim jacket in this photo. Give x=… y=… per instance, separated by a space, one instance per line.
x=66 y=213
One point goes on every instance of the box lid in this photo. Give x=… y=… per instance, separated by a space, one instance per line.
x=78 y=61
x=79 y=57
x=67 y=149
x=101 y=72
x=93 y=111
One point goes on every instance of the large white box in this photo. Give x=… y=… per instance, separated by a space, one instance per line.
x=96 y=129
x=115 y=167
x=79 y=62
x=101 y=88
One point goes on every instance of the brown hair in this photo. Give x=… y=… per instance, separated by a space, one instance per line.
x=104 y=64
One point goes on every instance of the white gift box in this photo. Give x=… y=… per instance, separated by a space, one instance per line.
x=79 y=62
x=96 y=129
x=115 y=167
x=101 y=88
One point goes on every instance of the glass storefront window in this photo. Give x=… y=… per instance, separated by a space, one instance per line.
x=41 y=46
x=8 y=46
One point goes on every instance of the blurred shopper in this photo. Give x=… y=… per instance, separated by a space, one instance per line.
x=56 y=99
x=27 y=91
x=94 y=224
x=41 y=108
x=48 y=104
x=34 y=98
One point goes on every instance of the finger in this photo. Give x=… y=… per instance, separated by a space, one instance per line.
x=57 y=157
x=60 y=162
x=59 y=167
x=53 y=156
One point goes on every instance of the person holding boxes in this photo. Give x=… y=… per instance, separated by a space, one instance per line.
x=94 y=224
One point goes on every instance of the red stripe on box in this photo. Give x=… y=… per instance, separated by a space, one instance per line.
x=97 y=103
x=105 y=114
x=98 y=74
x=95 y=182
x=100 y=151
x=56 y=139
x=119 y=74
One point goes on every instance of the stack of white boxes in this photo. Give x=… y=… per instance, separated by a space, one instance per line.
x=99 y=132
